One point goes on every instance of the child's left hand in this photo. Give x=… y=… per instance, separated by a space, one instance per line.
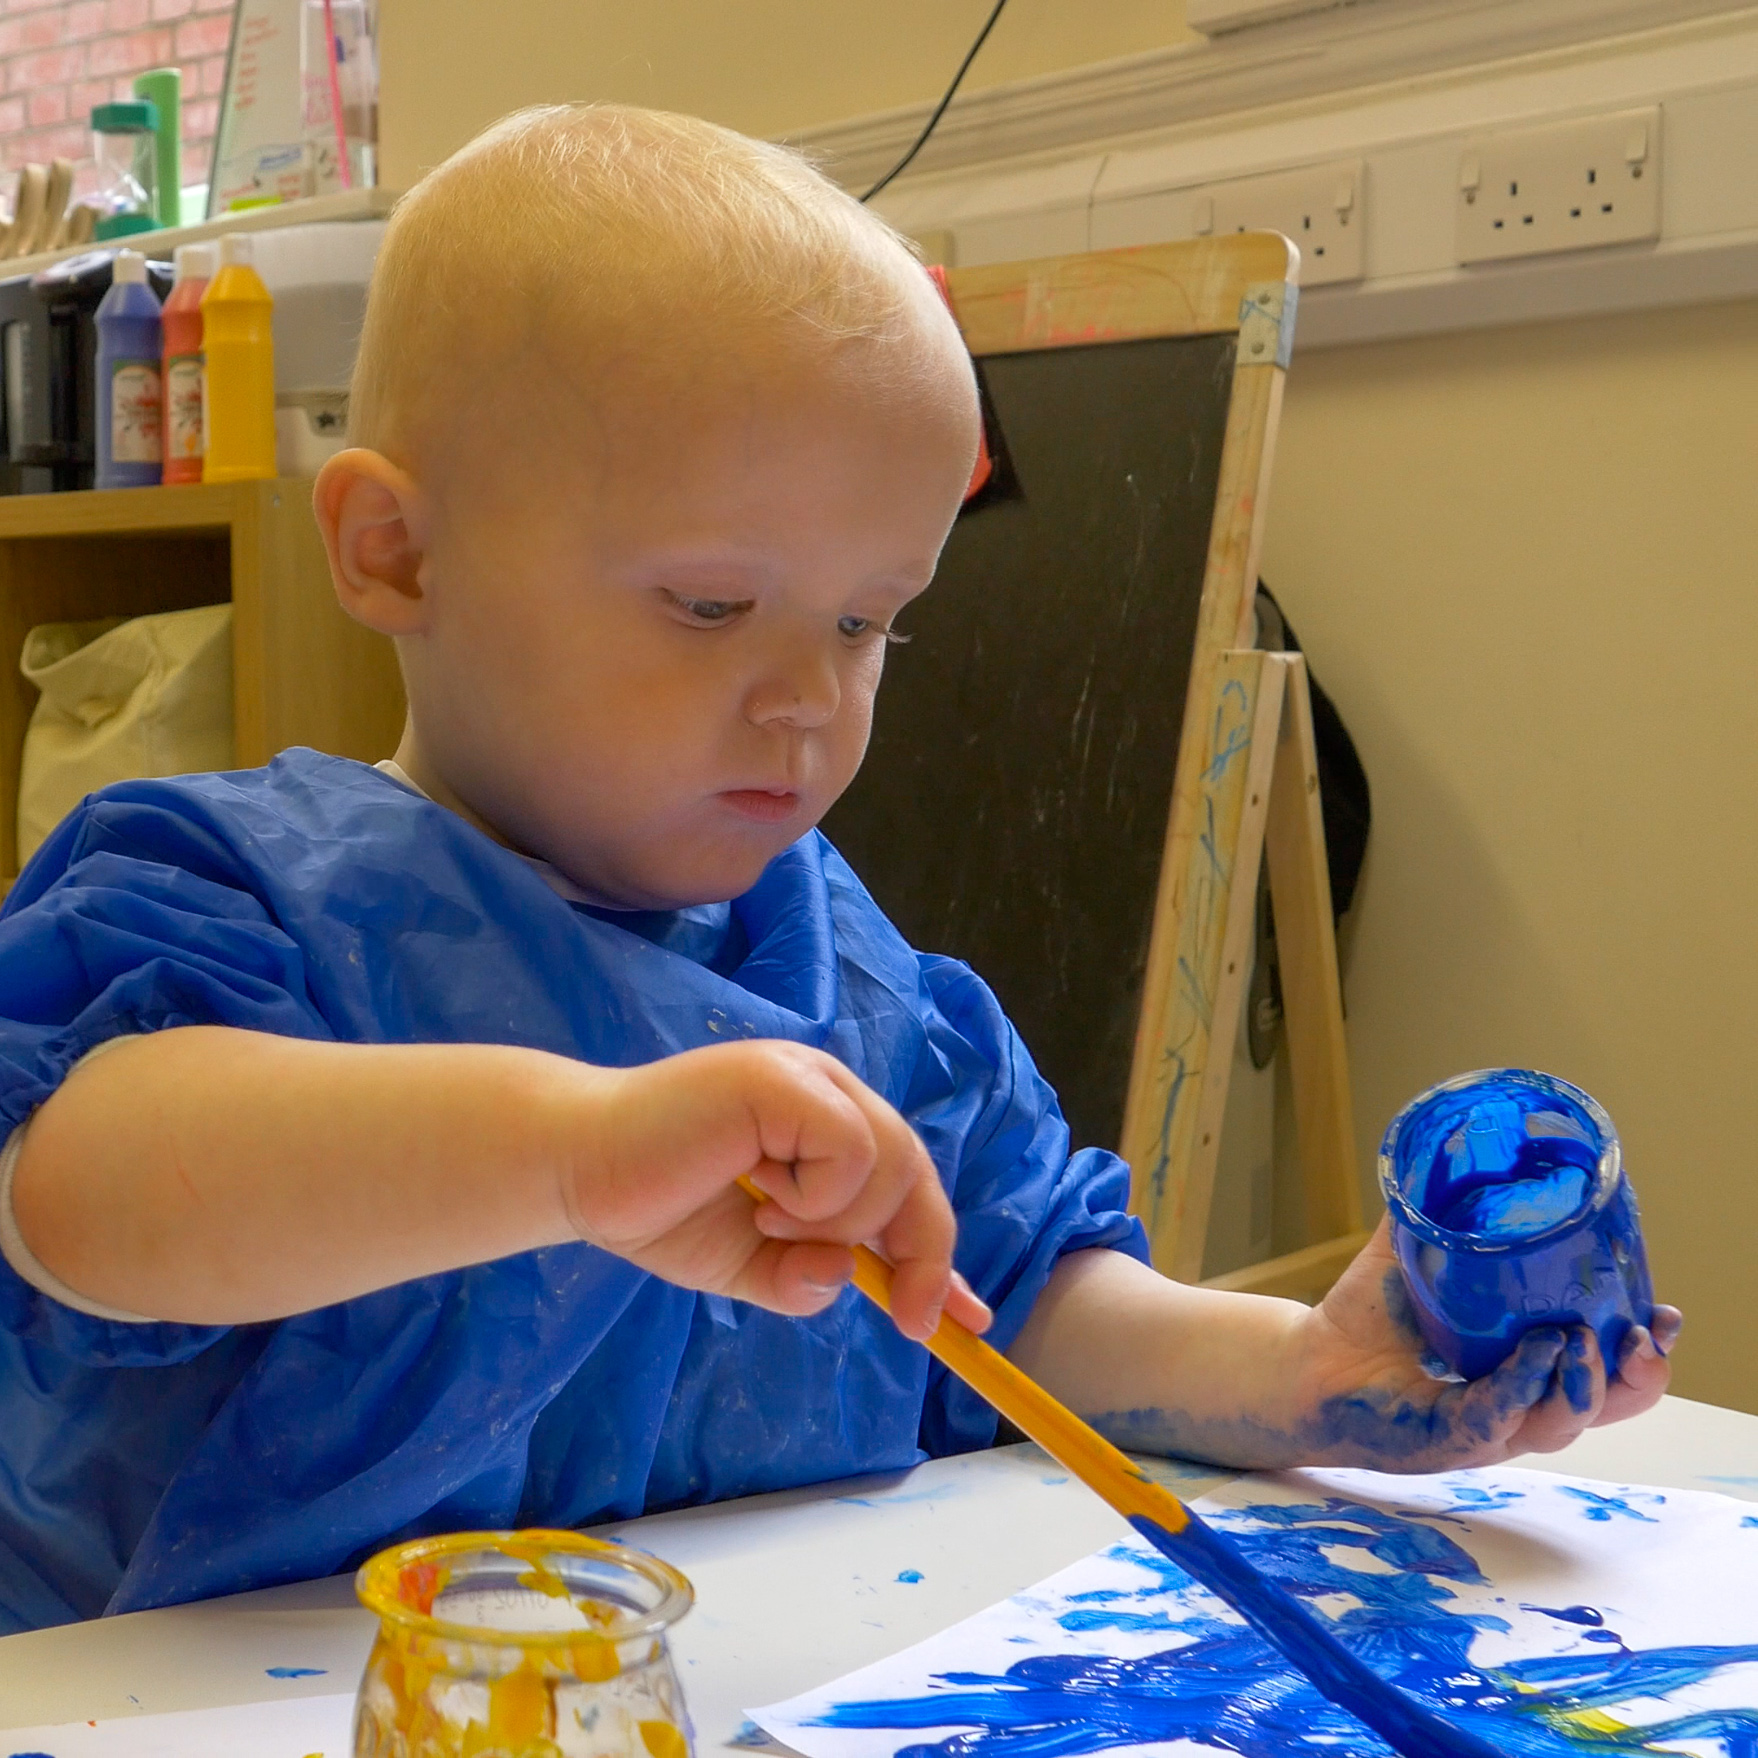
x=1363 y=1398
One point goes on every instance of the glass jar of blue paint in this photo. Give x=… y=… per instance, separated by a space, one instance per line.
x=1510 y=1210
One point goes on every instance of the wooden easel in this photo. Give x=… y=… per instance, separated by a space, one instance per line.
x=1246 y=780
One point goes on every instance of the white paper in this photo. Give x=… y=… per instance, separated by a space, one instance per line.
x=1549 y=1615
x=295 y=1727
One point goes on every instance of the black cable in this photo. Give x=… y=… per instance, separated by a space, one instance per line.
x=940 y=108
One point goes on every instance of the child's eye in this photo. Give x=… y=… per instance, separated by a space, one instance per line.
x=709 y=612
x=854 y=628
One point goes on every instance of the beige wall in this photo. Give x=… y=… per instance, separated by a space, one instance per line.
x=1526 y=565
x=765 y=66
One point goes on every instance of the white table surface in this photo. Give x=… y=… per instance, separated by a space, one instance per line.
x=792 y=1589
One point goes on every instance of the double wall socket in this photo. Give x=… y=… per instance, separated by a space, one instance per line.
x=1322 y=208
x=1564 y=186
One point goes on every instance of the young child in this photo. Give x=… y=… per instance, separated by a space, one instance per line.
x=372 y=1135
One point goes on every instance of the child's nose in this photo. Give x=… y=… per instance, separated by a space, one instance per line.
x=800 y=689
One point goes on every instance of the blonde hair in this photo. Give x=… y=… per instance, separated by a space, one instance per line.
x=598 y=222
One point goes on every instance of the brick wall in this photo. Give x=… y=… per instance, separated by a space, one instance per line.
x=60 y=57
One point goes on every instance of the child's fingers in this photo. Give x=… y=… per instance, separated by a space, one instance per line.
x=966 y=1305
x=819 y=1129
x=794 y=1278
x=1484 y=1416
x=1573 y=1400
x=1643 y=1372
x=848 y=1197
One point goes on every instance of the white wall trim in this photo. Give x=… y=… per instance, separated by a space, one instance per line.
x=1283 y=62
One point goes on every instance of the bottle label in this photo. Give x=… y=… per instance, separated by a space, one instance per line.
x=135 y=412
x=184 y=431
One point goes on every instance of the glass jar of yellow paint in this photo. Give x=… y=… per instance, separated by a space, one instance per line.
x=521 y=1645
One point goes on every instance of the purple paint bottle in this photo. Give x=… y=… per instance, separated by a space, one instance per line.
x=129 y=392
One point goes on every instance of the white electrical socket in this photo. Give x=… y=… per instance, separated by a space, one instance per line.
x=1564 y=186
x=1323 y=208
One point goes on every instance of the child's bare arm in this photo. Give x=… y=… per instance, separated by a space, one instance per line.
x=1243 y=1380
x=215 y=1176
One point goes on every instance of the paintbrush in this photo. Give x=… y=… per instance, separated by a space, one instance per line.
x=1178 y=1533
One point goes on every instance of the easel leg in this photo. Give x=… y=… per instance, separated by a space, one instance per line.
x=1312 y=995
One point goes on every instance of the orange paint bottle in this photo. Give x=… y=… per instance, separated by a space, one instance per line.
x=185 y=440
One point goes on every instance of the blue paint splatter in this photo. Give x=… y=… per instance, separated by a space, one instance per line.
x=895 y=1501
x=296 y=1672
x=1738 y=1482
x=1601 y=1507
x=32 y=1755
x=749 y=1736
x=1570 y=1614
x=1224 y=1688
x=1750 y=1520
x=909 y=1576
x=1052 y=1482
x=1469 y=1499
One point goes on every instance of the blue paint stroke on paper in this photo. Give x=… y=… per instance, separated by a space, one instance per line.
x=1750 y=1520
x=1603 y=1507
x=909 y=1577
x=296 y=1672
x=1570 y=1614
x=1224 y=1688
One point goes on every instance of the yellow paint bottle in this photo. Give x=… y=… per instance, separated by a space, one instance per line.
x=238 y=378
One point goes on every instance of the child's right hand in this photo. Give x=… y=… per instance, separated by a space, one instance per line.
x=651 y=1176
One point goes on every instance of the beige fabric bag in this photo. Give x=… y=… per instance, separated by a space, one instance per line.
x=147 y=696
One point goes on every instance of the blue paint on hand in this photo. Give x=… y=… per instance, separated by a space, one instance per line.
x=296 y=1672
x=1224 y=1688
x=909 y=1576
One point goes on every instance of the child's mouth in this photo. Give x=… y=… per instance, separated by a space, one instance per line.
x=767 y=806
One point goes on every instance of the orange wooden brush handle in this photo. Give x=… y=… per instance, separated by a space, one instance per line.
x=1072 y=1443
x=1075 y=1444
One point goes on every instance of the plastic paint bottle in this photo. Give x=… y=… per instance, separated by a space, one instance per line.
x=184 y=443
x=238 y=380
x=130 y=406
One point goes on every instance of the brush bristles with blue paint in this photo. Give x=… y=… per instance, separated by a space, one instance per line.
x=1177 y=1533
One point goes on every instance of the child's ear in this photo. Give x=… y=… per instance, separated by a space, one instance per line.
x=373 y=520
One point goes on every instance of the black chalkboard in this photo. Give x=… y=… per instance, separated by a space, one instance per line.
x=1013 y=806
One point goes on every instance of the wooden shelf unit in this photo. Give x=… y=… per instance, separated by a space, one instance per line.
x=303 y=673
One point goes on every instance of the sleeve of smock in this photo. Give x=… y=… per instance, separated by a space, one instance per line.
x=131 y=918
x=1022 y=1199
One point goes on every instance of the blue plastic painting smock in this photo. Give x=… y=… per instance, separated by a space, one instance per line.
x=1510 y=1210
x=130 y=411
x=148 y=1464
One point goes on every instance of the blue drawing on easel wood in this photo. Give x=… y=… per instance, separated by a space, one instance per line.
x=1222 y=1687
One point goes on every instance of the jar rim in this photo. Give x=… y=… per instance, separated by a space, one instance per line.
x=377 y=1584
x=1608 y=1169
